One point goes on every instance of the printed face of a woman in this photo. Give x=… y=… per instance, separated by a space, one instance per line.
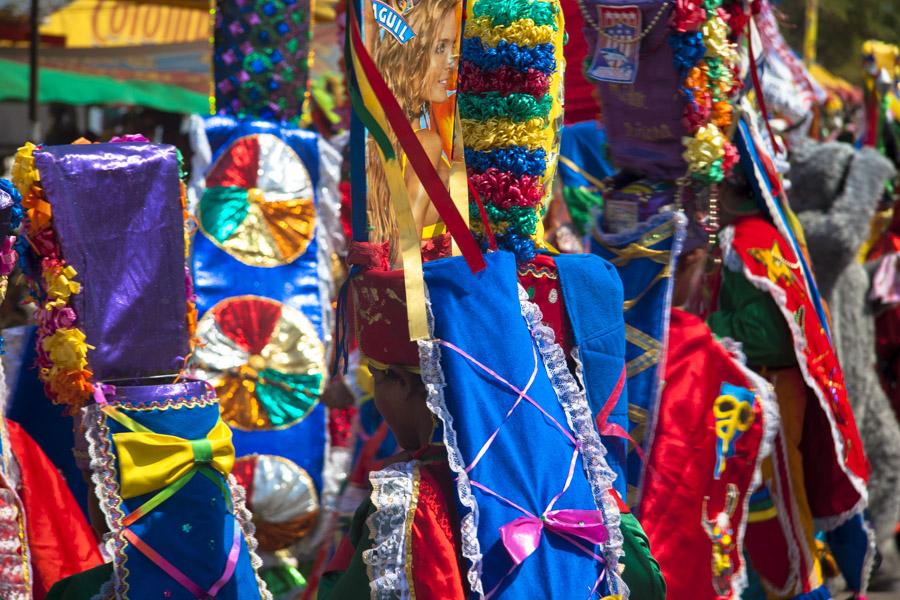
x=443 y=61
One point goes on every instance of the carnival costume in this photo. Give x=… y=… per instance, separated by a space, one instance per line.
x=818 y=469
x=160 y=456
x=490 y=394
x=265 y=198
x=835 y=191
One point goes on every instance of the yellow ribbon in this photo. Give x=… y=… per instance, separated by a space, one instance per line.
x=150 y=461
x=410 y=245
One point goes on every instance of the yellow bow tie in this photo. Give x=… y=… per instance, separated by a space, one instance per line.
x=151 y=461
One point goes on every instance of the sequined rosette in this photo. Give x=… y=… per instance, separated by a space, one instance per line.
x=706 y=59
x=510 y=81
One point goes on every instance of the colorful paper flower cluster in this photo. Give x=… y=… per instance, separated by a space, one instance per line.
x=62 y=349
x=707 y=61
x=506 y=103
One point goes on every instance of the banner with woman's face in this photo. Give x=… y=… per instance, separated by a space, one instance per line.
x=415 y=47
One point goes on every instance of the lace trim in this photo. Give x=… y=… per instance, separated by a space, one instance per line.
x=15 y=563
x=181 y=402
x=245 y=520
x=433 y=377
x=574 y=403
x=106 y=488
x=799 y=338
x=771 y=425
x=105 y=479
x=394 y=494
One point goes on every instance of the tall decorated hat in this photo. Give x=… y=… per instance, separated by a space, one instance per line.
x=666 y=74
x=265 y=199
x=491 y=394
x=116 y=320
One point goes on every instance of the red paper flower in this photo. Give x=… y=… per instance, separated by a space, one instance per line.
x=688 y=15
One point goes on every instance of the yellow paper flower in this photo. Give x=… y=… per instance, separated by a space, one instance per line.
x=715 y=38
x=707 y=145
x=67 y=349
x=61 y=284
x=23 y=173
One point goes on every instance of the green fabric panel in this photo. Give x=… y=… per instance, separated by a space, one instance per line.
x=81 y=586
x=283 y=580
x=581 y=201
x=353 y=583
x=642 y=574
x=750 y=316
x=222 y=210
x=287 y=397
x=55 y=85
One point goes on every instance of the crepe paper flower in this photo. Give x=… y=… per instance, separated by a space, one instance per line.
x=730 y=157
x=722 y=113
x=688 y=15
x=715 y=38
x=8 y=255
x=733 y=14
x=67 y=349
x=57 y=318
x=688 y=50
x=697 y=78
x=44 y=243
x=69 y=386
x=23 y=173
x=707 y=146
x=61 y=284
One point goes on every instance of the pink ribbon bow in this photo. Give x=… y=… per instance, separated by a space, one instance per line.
x=522 y=536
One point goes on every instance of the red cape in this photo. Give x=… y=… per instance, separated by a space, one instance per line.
x=834 y=461
x=681 y=465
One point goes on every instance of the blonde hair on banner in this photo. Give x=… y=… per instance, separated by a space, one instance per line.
x=404 y=68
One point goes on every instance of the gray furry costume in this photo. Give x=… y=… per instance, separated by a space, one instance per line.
x=835 y=190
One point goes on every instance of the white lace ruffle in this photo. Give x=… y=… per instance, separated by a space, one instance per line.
x=394 y=496
x=106 y=487
x=433 y=377
x=574 y=403
x=15 y=566
x=245 y=521
x=799 y=338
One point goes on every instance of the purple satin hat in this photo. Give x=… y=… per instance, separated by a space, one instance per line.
x=118 y=219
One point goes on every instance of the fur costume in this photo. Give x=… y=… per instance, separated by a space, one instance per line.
x=835 y=191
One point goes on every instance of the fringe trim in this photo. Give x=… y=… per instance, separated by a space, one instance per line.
x=578 y=416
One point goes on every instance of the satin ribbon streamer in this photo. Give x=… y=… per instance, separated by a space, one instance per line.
x=150 y=462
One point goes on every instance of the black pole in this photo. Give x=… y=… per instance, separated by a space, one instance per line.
x=33 y=61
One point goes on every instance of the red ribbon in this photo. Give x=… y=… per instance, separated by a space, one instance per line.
x=425 y=171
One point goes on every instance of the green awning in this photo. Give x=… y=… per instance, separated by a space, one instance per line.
x=70 y=87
